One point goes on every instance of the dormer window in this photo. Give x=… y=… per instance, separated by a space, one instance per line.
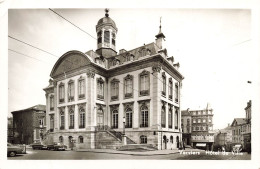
x=116 y=62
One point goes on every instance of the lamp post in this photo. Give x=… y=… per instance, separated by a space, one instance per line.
x=123 y=125
x=41 y=133
x=124 y=136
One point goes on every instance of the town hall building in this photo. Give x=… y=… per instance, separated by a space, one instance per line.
x=99 y=99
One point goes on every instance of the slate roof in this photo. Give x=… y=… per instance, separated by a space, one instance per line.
x=38 y=107
x=239 y=121
x=152 y=47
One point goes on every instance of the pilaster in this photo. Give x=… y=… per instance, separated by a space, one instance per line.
x=90 y=100
x=156 y=97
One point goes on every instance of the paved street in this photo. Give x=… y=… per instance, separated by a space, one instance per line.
x=117 y=155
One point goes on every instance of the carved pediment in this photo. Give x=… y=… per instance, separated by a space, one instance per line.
x=68 y=62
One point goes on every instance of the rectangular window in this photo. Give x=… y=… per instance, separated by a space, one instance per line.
x=71 y=92
x=81 y=88
x=61 y=93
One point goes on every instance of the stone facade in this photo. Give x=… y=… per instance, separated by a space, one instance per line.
x=93 y=99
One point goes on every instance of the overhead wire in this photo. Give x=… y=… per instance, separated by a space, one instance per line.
x=27 y=55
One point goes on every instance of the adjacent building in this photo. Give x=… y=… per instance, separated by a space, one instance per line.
x=241 y=133
x=223 y=138
x=198 y=128
x=29 y=125
x=10 y=132
x=95 y=99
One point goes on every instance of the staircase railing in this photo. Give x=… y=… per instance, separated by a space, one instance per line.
x=109 y=129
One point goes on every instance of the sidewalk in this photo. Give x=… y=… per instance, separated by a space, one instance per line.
x=135 y=153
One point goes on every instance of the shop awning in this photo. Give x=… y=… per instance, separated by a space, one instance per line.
x=201 y=144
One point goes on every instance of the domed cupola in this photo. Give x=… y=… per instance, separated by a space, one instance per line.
x=106 y=36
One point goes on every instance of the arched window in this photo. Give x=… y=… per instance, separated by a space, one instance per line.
x=113 y=39
x=114 y=89
x=144 y=116
x=143 y=139
x=71 y=91
x=100 y=88
x=62 y=120
x=82 y=117
x=100 y=117
x=163 y=116
x=128 y=82
x=81 y=88
x=107 y=37
x=51 y=103
x=144 y=83
x=164 y=84
x=170 y=88
x=51 y=122
x=128 y=115
x=61 y=93
x=81 y=139
x=176 y=92
x=176 y=117
x=170 y=118
x=115 y=119
x=71 y=119
x=143 y=52
x=61 y=139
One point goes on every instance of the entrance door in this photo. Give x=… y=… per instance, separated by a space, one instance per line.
x=178 y=141
x=164 y=142
x=70 y=141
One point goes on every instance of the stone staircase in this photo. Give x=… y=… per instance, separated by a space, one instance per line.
x=107 y=142
x=137 y=147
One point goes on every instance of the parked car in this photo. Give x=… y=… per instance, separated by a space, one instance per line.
x=39 y=146
x=12 y=150
x=57 y=146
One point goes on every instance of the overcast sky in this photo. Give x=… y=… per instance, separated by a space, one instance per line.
x=213 y=47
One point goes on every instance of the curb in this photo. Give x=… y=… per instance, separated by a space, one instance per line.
x=133 y=154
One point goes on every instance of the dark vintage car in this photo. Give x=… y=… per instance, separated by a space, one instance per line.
x=56 y=146
x=39 y=146
x=12 y=150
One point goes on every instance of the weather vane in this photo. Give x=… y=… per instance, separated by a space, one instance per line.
x=107 y=10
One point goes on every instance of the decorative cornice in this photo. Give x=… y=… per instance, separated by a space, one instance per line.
x=91 y=74
x=156 y=68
